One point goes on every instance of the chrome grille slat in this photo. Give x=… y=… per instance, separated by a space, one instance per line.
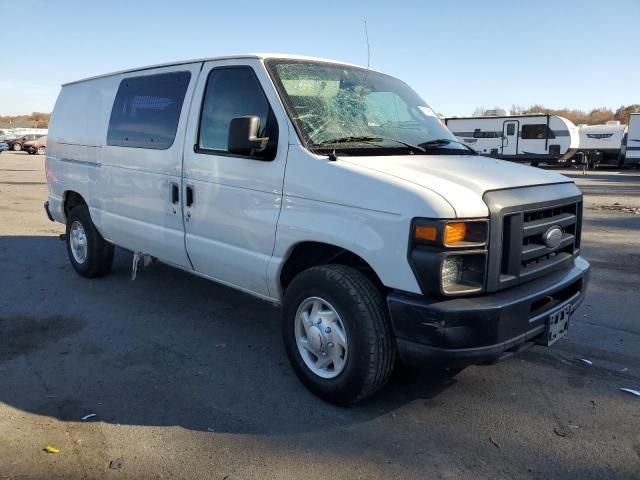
x=546 y=264
x=537 y=227
x=536 y=250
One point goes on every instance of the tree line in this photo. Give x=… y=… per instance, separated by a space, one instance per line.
x=35 y=120
x=596 y=116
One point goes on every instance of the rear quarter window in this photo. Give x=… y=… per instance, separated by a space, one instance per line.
x=146 y=110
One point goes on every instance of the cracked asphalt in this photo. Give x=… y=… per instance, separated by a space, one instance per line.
x=189 y=379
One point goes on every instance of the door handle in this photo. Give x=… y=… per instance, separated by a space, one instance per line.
x=175 y=193
x=189 y=201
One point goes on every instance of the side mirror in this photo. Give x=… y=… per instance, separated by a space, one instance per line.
x=243 y=136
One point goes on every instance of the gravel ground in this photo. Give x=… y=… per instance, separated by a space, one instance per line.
x=189 y=379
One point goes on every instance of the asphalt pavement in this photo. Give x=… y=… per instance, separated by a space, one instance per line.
x=189 y=379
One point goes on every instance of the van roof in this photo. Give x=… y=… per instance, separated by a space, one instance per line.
x=261 y=56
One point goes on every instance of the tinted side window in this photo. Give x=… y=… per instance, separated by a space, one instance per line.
x=537 y=131
x=511 y=129
x=234 y=92
x=147 y=109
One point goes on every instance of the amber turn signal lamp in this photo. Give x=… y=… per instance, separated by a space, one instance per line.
x=454 y=233
x=426 y=233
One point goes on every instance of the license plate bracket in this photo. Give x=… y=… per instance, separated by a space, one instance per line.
x=557 y=325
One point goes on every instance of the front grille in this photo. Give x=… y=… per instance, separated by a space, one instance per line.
x=534 y=252
x=519 y=220
x=524 y=253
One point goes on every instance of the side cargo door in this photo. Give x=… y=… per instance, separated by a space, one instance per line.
x=142 y=162
x=232 y=202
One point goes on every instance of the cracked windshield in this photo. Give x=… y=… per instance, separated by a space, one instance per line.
x=337 y=106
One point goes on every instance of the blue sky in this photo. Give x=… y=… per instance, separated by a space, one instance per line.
x=457 y=55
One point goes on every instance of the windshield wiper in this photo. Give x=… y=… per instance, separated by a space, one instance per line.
x=419 y=148
x=438 y=142
x=371 y=139
x=351 y=139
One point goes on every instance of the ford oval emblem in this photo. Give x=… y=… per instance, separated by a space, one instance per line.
x=552 y=237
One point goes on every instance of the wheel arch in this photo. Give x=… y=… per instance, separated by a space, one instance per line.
x=307 y=254
x=71 y=199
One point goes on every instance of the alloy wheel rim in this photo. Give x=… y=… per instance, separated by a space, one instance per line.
x=321 y=338
x=78 y=242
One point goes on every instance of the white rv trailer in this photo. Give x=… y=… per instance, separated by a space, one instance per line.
x=534 y=138
x=603 y=142
x=632 y=151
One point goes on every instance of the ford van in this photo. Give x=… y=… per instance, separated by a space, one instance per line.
x=330 y=190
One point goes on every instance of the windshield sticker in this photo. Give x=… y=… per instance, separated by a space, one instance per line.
x=428 y=112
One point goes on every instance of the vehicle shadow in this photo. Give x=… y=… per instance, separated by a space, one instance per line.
x=166 y=349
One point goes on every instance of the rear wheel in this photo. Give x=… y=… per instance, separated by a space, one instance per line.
x=90 y=255
x=337 y=333
x=41 y=150
x=17 y=147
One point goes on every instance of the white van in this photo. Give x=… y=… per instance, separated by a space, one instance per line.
x=326 y=188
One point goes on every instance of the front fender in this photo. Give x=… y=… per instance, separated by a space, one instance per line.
x=379 y=238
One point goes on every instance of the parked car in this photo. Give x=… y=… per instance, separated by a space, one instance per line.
x=38 y=146
x=329 y=189
x=16 y=144
x=3 y=147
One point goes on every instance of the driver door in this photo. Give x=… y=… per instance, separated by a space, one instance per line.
x=232 y=201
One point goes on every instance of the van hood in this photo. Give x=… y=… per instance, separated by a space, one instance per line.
x=461 y=180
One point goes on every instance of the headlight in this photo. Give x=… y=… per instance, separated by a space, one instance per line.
x=449 y=257
x=462 y=273
x=451 y=271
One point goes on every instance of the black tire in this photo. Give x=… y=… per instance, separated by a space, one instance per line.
x=362 y=309
x=99 y=252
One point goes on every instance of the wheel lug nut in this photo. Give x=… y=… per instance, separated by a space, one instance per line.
x=327 y=330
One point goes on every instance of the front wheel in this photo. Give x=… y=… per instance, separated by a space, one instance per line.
x=17 y=147
x=337 y=333
x=89 y=253
x=41 y=151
